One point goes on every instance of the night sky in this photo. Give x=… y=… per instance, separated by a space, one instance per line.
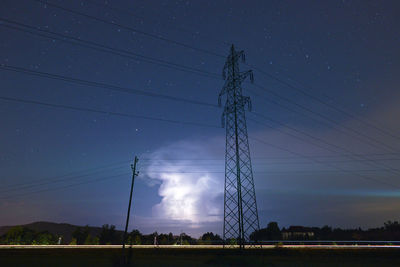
x=87 y=85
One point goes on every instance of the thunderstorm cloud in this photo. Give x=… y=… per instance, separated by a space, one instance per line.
x=190 y=179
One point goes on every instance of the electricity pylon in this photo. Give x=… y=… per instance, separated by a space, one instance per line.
x=240 y=206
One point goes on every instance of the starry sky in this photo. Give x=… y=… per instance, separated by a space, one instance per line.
x=87 y=85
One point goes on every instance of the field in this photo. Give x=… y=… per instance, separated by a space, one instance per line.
x=193 y=256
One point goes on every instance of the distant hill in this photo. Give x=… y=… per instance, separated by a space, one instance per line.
x=59 y=229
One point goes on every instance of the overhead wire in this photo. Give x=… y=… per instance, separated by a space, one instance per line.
x=351 y=154
x=268 y=172
x=287 y=100
x=146 y=172
x=103 y=48
x=102 y=85
x=120 y=114
x=97 y=111
x=128 y=12
x=315 y=98
x=269 y=158
x=206 y=51
x=69 y=174
x=319 y=100
x=53 y=105
x=327 y=164
x=44 y=1
x=332 y=121
x=129 y=28
x=53 y=181
x=286 y=162
x=63 y=187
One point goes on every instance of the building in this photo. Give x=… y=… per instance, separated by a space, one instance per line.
x=297 y=233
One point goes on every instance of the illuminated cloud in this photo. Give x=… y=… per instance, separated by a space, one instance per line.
x=191 y=185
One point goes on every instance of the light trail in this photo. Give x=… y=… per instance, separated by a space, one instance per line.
x=269 y=246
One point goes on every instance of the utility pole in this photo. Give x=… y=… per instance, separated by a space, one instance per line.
x=240 y=206
x=134 y=173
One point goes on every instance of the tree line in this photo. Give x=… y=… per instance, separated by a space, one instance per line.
x=390 y=231
x=108 y=235
x=19 y=235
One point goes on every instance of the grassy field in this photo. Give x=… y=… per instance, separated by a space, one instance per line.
x=201 y=257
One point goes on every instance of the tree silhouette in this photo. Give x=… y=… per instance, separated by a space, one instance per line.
x=271 y=232
x=108 y=235
x=81 y=235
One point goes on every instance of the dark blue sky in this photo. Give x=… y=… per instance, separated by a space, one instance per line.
x=326 y=73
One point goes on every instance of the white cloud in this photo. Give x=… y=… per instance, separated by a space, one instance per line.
x=191 y=185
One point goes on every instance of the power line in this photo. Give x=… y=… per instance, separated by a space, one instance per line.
x=319 y=100
x=52 y=77
x=105 y=49
x=129 y=115
x=74 y=173
x=130 y=28
x=52 y=181
x=31 y=101
x=68 y=177
x=41 y=1
x=102 y=85
x=20 y=100
x=197 y=102
x=128 y=12
x=64 y=187
x=206 y=51
x=47 y=104
x=350 y=155
x=327 y=164
x=272 y=158
x=270 y=172
x=321 y=116
x=264 y=163
x=186 y=172
x=320 y=140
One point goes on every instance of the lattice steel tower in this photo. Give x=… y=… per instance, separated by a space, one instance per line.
x=240 y=207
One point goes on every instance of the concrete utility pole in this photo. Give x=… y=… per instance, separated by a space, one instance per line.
x=134 y=173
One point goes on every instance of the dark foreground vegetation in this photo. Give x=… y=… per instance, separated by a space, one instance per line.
x=390 y=231
x=106 y=235
x=201 y=257
x=44 y=233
